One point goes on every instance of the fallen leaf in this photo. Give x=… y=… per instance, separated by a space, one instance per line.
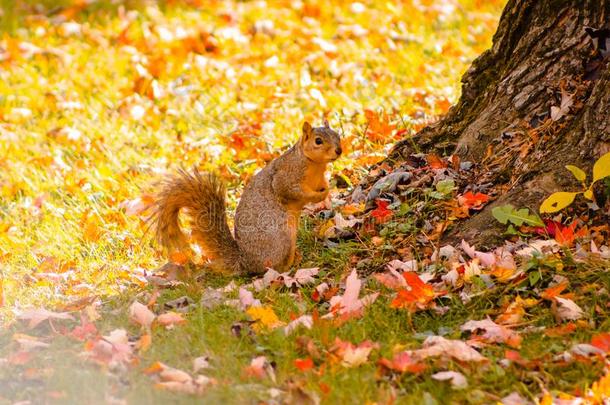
x=493 y=333
x=260 y=368
x=567 y=310
x=200 y=363
x=417 y=294
x=602 y=341
x=36 y=316
x=28 y=343
x=438 y=346
x=348 y=304
x=304 y=364
x=264 y=318
x=403 y=362
x=486 y=259
x=170 y=319
x=305 y=321
x=382 y=214
x=352 y=355
x=473 y=200
x=458 y=380
x=140 y=314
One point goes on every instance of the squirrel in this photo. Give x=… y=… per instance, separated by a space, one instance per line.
x=267 y=216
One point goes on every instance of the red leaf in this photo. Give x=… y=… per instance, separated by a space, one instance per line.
x=304 y=364
x=382 y=214
x=602 y=341
x=474 y=201
x=82 y=332
x=419 y=293
x=403 y=362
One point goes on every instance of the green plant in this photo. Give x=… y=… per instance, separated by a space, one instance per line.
x=508 y=213
x=560 y=200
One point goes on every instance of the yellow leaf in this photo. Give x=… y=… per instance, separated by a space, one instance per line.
x=601 y=168
x=264 y=318
x=557 y=201
x=588 y=194
x=577 y=172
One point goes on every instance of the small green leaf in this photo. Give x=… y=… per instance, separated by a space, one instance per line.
x=601 y=168
x=557 y=201
x=508 y=213
x=445 y=186
x=588 y=194
x=577 y=172
x=534 y=277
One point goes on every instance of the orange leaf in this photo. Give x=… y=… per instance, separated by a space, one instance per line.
x=602 y=341
x=419 y=293
x=435 y=161
x=379 y=127
x=304 y=364
x=552 y=292
x=154 y=368
x=474 y=201
x=178 y=257
x=403 y=362
x=561 y=330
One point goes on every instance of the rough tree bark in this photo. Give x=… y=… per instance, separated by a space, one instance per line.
x=541 y=52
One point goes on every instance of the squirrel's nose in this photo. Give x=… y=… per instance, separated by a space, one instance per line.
x=338 y=151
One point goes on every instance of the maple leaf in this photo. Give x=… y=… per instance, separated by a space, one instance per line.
x=112 y=350
x=514 y=311
x=141 y=315
x=382 y=214
x=438 y=346
x=418 y=294
x=349 y=304
x=493 y=333
x=379 y=127
x=353 y=355
x=84 y=330
x=565 y=235
x=264 y=318
x=567 y=310
x=473 y=200
x=403 y=362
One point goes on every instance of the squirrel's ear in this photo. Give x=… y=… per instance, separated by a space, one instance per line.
x=306 y=129
x=326 y=124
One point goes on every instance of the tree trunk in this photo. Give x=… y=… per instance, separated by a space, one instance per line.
x=541 y=54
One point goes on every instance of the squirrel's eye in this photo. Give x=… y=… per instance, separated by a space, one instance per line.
x=318 y=141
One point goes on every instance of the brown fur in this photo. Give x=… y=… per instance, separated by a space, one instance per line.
x=267 y=217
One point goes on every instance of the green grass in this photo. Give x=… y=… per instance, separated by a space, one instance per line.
x=64 y=236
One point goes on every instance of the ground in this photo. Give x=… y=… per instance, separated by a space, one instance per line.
x=98 y=101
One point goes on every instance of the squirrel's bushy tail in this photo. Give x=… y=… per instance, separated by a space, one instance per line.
x=203 y=195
